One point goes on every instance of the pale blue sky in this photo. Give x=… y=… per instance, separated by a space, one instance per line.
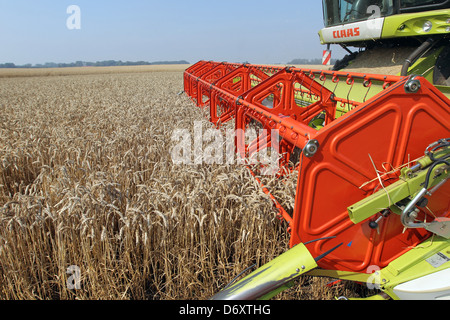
x=258 y=31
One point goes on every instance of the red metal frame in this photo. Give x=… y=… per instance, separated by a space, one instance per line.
x=391 y=128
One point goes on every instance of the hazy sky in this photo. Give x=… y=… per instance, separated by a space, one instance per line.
x=258 y=31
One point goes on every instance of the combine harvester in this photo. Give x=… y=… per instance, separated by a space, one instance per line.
x=371 y=150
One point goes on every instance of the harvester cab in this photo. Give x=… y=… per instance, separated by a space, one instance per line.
x=371 y=151
x=413 y=32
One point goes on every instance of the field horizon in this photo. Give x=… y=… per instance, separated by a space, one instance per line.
x=43 y=72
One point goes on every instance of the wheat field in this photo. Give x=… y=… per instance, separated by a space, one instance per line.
x=87 y=181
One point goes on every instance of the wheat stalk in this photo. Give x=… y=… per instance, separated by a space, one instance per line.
x=86 y=180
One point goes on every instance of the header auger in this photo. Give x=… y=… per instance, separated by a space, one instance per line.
x=372 y=151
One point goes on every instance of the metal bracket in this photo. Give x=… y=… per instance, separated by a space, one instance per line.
x=440 y=226
x=311 y=148
x=412 y=85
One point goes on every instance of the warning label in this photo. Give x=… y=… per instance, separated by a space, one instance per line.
x=438 y=259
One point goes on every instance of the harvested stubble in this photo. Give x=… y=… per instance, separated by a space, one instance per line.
x=87 y=180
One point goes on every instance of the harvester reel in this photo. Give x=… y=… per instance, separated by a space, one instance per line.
x=356 y=136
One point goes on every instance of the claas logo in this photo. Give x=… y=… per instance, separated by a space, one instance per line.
x=346 y=33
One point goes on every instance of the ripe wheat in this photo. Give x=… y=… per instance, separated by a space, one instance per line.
x=87 y=180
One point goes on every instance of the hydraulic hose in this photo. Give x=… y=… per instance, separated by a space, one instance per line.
x=430 y=170
x=409 y=208
x=416 y=54
x=438 y=145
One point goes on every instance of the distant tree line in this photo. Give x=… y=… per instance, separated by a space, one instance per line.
x=309 y=61
x=106 y=63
